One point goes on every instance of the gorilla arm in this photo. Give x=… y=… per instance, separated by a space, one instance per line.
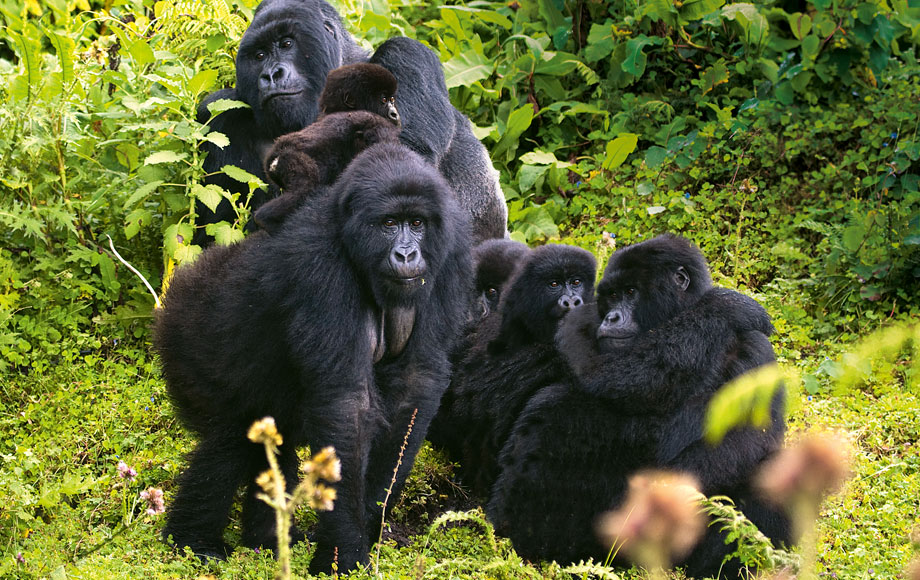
x=665 y=365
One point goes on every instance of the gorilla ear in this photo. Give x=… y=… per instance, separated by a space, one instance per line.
x=682 y=278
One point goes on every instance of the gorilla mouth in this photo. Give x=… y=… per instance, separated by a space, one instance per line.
x=280 y=94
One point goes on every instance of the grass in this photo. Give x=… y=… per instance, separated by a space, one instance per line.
x=67 y=513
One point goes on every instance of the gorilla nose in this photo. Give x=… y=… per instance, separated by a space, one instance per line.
x=407 y=262
x=274 y=77
x=570 y=302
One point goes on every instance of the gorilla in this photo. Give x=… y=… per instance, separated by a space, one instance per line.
x=495 y=261
x=338 y=326
x=302 y=161
x=646 y=363
x=362 y=86
x=284 y=58
x=513 y=357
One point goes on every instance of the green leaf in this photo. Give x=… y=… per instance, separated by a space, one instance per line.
x=202 y=82
x=164 y=157
x=141 y=52
x=210 y=195
x=619 y=149
x=697 y=9
x=221 y=105
x=600 y=41
x=655 y=156
x=800 y=24
x=538 y=157
x=224 y=234
x=217 y=138
x=243 y=176
x=466 y=68
x=518 y=122
x=636 y=60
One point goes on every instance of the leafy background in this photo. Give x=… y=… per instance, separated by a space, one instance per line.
x=780 y=136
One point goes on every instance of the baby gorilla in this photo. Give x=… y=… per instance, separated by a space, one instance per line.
x=359 y=109
x=648 y=360
x=363 y=86
x=301 y=162
x=512 y=358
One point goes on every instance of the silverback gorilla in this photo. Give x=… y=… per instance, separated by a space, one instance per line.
x=338 y=326
x=281 y=67
x=661 y=342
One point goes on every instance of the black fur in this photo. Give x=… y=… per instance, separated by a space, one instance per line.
x=513 y=357
x=282 y=85
x=314 y=326
x=300 y=162
x=362 y=86
x=639 y=402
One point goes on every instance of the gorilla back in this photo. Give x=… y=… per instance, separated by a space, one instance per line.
x=282 y=64
x=338 y=326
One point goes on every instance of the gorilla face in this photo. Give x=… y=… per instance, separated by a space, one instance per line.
x=393 y=219
x=282 y=64
x=645 y=285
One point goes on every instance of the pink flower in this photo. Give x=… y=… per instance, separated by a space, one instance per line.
x=126 y=472
x=154 y=498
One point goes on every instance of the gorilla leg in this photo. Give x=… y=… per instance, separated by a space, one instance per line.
x=199 y=512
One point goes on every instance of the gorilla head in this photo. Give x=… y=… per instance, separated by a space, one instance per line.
x=552 y=281
x=284 y=58
x=362 y=86
x=645 y=285
x=495 y=261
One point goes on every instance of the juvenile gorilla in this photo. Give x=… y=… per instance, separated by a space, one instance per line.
x=362 y=86
x=495 y=261
x=660 y=344
x=338 y=326
x=513 y=357
x=301 y=162
x=284 y=58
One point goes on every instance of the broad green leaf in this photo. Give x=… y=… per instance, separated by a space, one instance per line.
x=164 y=157
x=202 y=82
x=751 y=21
x=223 y=233
x=142 y=192
x=655 y=156
x=695 y=9
x=800 y=24
x=466 y=68
x=217 y=138
x=235 y=173
x=636 y=60
x=619 y=149
x=538 y=158
x=518 y=121
x=141 y=52
x=210 y=195
x=221 y=105
x=600 y=41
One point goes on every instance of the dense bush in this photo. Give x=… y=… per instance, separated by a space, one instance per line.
x=777 y=129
